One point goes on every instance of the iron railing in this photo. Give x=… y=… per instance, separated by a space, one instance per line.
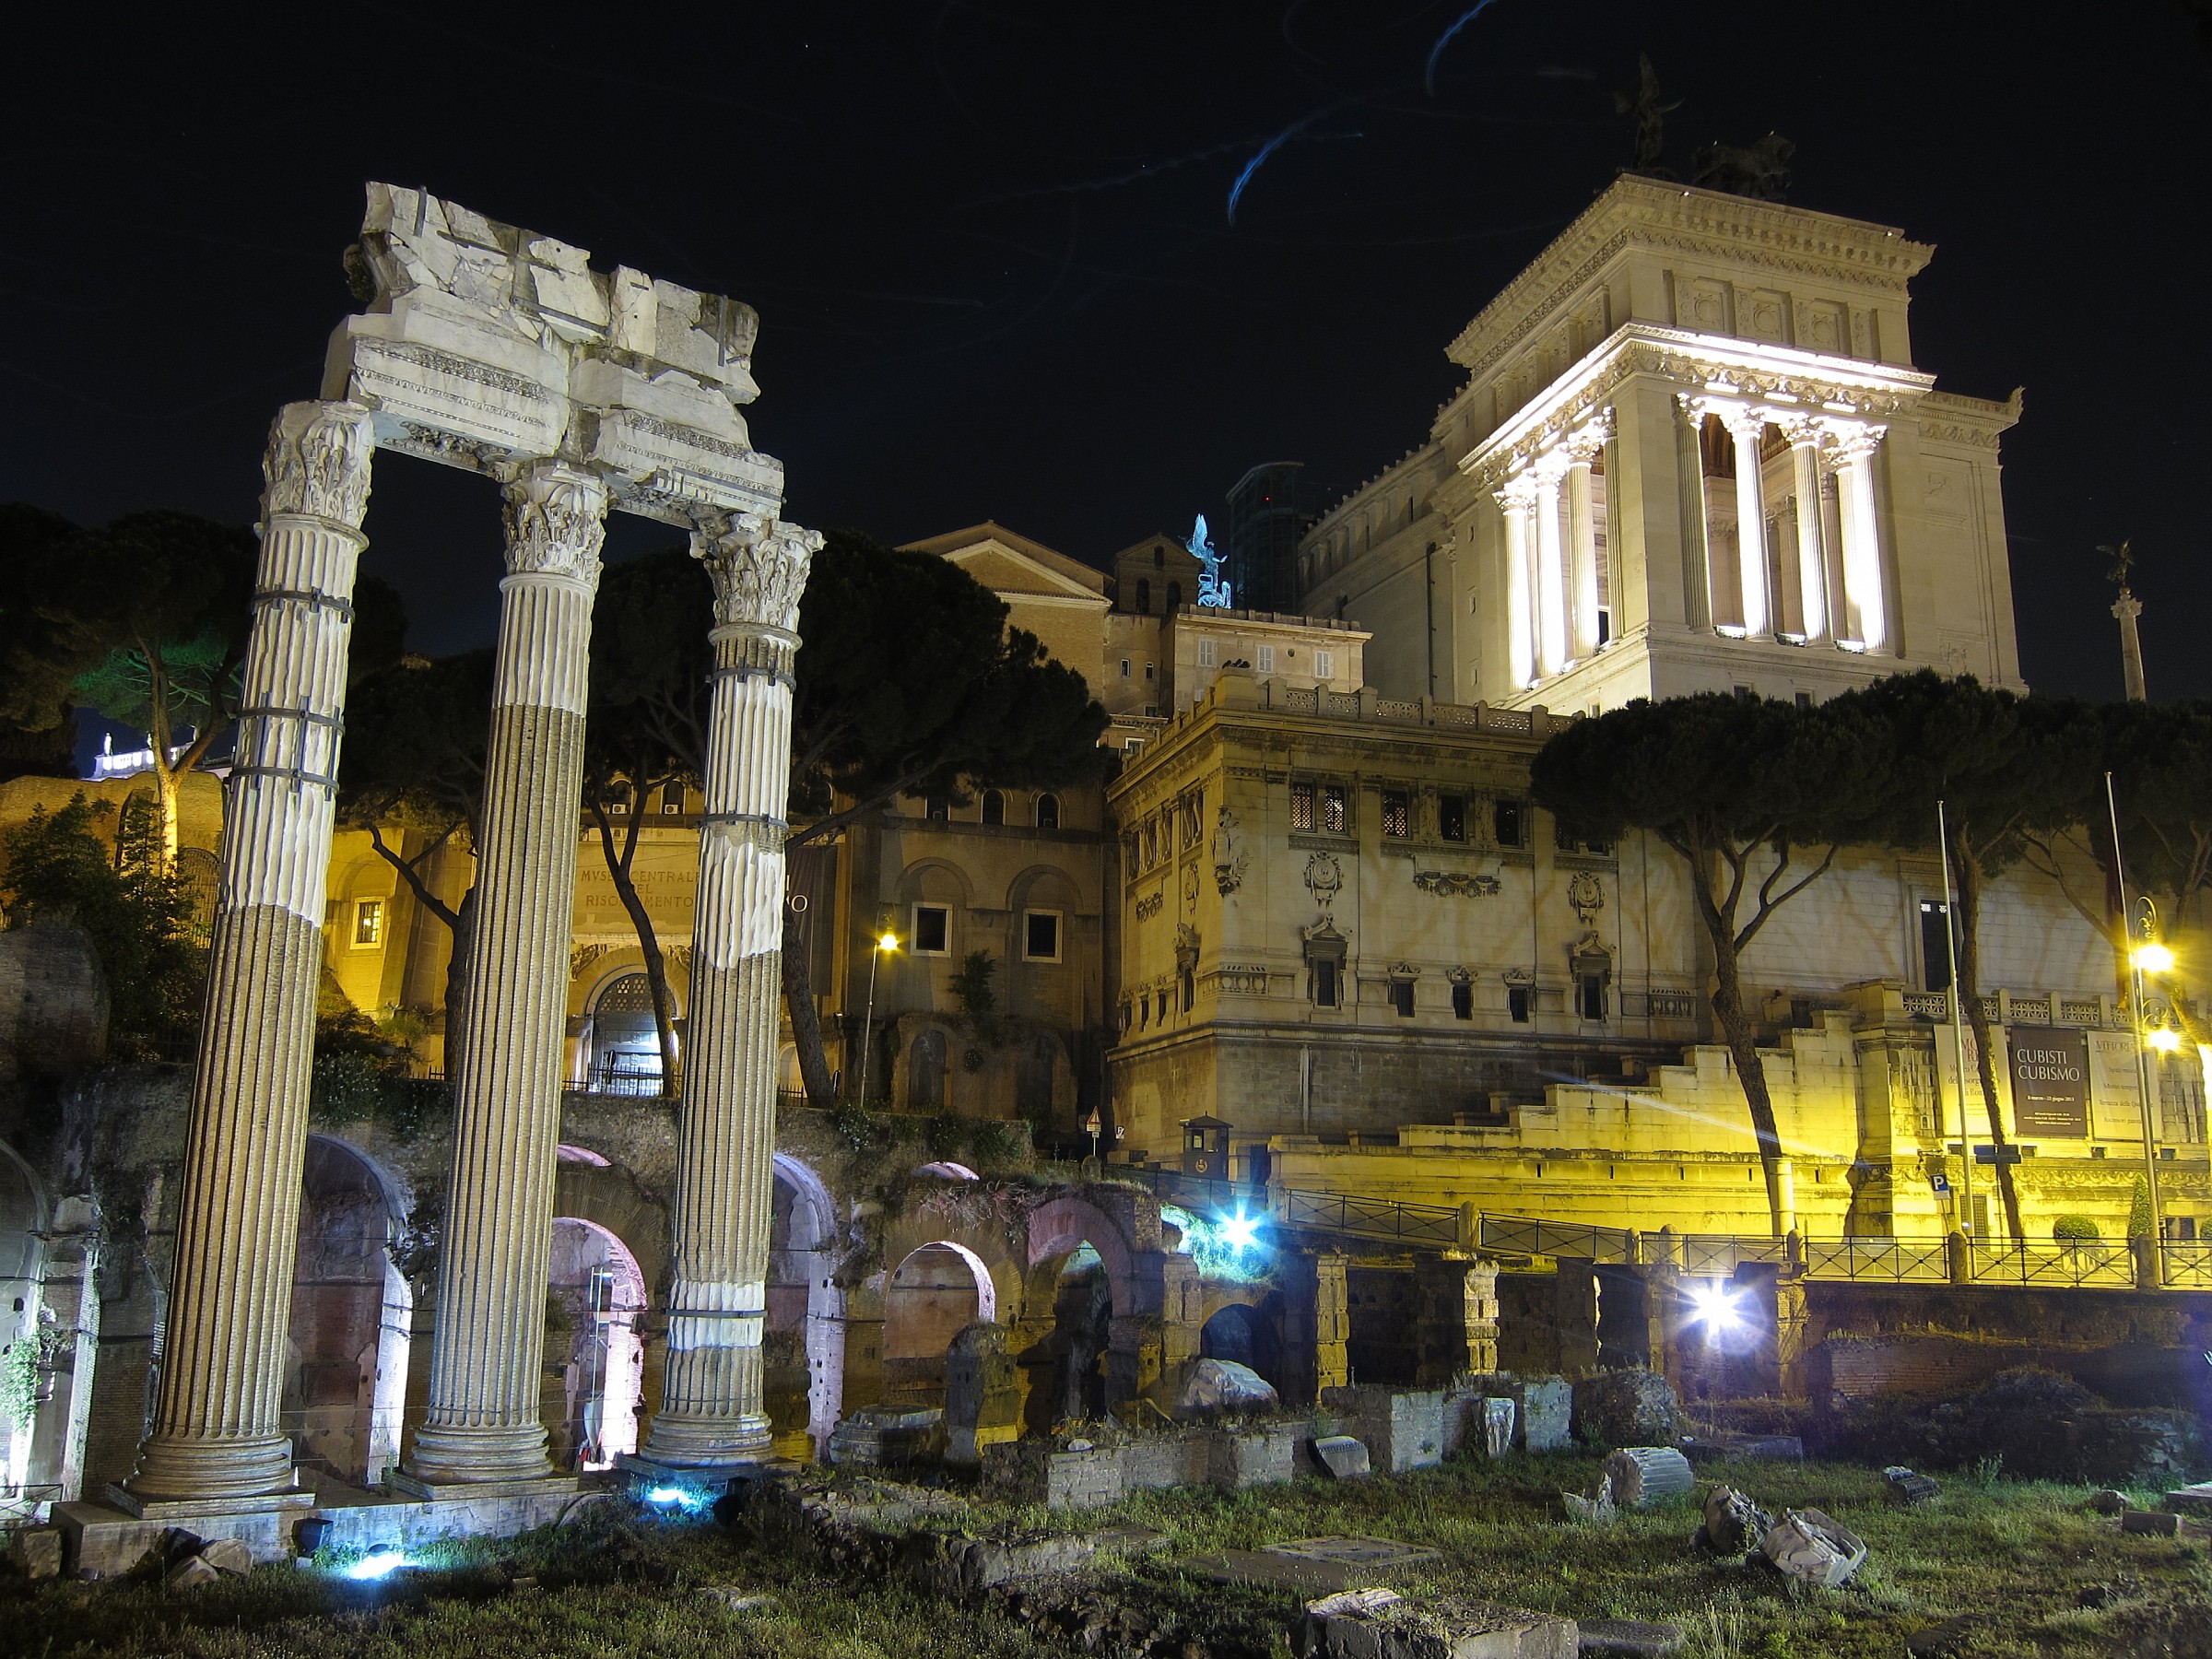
x=1527 y=1235
x=2186 y=1267
x=2069 y=1264
x=1705 y=1254
x=1370 y=1217
x=1898 y=1261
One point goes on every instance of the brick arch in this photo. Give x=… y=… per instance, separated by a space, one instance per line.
x=1060 y=1224
x=910 y=884
x=608 y=1196
x=982 y=1243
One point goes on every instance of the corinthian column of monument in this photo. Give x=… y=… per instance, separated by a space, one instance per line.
x=711 y=1409
x=216 y=1428
x=482 y=1422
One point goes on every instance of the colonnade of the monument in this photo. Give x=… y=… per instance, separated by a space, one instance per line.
x=214 y=1435
x=1830 y=575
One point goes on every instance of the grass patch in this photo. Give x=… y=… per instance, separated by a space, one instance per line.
x=2033 y=1568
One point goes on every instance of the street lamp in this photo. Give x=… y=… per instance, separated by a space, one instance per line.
x=887 y=940
x=2147 y=954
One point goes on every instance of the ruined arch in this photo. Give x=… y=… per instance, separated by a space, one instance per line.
x=594 y=1384
x=937 y=1290
x=345 y=1363
x=806 y=1324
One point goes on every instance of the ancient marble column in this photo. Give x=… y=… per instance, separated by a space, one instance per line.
x=1812 y=563
x=712 y=1408
x=1866 y=610
x=1746 y=428
x=482 y=1423
x=1551 y=573
x=216 y=1428
x=1516 y=501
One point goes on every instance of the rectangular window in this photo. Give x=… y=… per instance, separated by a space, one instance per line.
x=672 y=802
x=1301 y=805
x=1804 y=700
x=1124 y=667
x=1397 y=814
x=1560 y=837
x=369 y=921
x=1590 y=996
x=1324 y=665
x=1463 y=1001
x=1452 y=817
x=1266 y=659
x=1190 y=988
x=1401 y=997
x=1040 y=936
x=1509 y=820
x=1333 y=817
x=932 y=930
x=1935 y=945
x=1324 y=983
x=1206 y=654
x=1516 y=1003
x=1598 y=848
x=938 y=809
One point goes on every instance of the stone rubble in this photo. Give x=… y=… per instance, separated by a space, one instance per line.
x=1219 y=1388
x=2154 y=1523
x=1626 y=1408
x=1733 y=1524
x=1633 y=1637
x=1596 y=1508
x=36 y=1552
x=1371 y=1624
x=1342 y=1456
x=1910 y=1488
x=1813 y=1547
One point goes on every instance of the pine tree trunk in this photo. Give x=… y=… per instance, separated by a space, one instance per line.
x=649 y=943
x=168 y=788
x=806 y=1025
x=460 y=976
x=1966 y=870
x=1743 y=1047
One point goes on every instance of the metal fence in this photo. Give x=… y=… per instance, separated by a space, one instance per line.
x=1370 y=1217
x=1895 y=1261
x=1709 y=1253
x=2187 y=1266
x=1526 y=1235
x=2070 y=1264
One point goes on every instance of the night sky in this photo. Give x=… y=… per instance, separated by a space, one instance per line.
x=996 y=276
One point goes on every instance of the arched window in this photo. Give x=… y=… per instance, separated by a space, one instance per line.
x=1174 y=597
x=1144 y=595
x=995 y=807
x=925 y=1071
x=1048 y=812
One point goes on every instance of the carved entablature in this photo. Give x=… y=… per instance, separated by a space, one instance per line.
x=490 y=346
x=1773 y=381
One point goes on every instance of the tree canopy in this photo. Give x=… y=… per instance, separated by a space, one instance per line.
x=1740 y=788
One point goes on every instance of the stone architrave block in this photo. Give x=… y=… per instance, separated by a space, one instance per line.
x=1401 y=1427
x=1236 y=1459
x=1378 y=1624
x=1810 y=1544
x=1543 y=1408
x=36 y=1552
x=1630 y=1407
x=1344 y=1457
x=2192 y=1500
x=2157 y=1523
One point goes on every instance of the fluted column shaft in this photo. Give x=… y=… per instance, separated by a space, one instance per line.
x=711 y=1406
x=1582 y=513
x=1515 y=501
x=1866 y=607
x=1750 y=523
x=215 y=1430
x=1551 y=577
x=482 y=1422
x=1812 y=562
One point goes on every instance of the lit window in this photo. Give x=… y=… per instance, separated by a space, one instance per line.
x=1324 y=665
x=1040 y=938
x=1266 y=659
x=1397 y=814
x=1301 y=805
x=1332 y=814
x=369 y=921
x=1048 y=812
x=1452 y=817
x=932 y=929
x=1206 y=654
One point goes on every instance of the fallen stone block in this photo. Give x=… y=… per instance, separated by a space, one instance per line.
x=36 y=1552
x=1707 y=1448
x=736 y=1598
x=1813 y=1547
x=1734 y=1524
x=190 y=1574
x=1401 y=1427
x=1647 y=1477
x=226 y=1555
x=2154 y=1524
x=1543 y=1408
x=1630 y=1636
x=2192 y=1500
x=1319 y=1564
x=1342 y=1456
x=1597 y=1507
x=2109 y=1502
x=1218 y=1388
x=1910 y=1488
x=1363 y=1625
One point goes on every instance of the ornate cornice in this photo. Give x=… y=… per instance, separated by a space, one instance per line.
x=317 y=462
x=556 y=521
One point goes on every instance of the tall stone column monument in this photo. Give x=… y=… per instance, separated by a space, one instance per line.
x=711 y=1410
x=482 y=1423
x=216 y=1439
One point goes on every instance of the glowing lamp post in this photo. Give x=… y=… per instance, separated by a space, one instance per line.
x=888 y=941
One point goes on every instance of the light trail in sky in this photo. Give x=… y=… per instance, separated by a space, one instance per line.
x=1268 y=148
x=1444 y=40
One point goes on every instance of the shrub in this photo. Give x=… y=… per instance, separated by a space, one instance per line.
x=2075 y=1230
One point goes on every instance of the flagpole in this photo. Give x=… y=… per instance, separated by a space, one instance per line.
x=1950 y=938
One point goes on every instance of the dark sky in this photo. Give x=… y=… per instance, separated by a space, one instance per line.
x=991 y=251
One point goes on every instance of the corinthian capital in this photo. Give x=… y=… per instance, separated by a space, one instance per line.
x=317 y=462
x=1851 y=441
x=758 y=565
x=556 y=520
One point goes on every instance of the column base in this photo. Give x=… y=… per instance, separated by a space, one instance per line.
x=709 y=1443
x=435 y=1490
x=694 y=1486
x=449 y=1457
x=250 y=1472
x=179 y=1509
